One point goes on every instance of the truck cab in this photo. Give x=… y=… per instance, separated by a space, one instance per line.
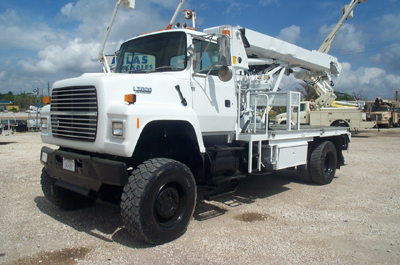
x=183 y=109
x=383 y=114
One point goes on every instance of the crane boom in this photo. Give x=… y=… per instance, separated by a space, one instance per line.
x=324 y=90
x=347 y=13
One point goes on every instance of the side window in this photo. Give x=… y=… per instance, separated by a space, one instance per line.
x=210 y=57
x=302 y=107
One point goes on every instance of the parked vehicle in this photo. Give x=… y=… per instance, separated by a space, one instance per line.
x=184 y=108
x=383 y=113
x=350 y=117
x=15 y=125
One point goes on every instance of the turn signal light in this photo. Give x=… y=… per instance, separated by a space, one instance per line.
x=226 y=32
x=130 y=98
x=46 y=100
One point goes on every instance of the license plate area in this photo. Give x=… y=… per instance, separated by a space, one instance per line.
x=69 y=164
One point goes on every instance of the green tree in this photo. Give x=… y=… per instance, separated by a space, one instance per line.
x=344 y=96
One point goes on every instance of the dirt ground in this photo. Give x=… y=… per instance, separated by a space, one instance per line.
x=269 y=220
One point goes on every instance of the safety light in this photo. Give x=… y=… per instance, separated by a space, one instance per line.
x=46 y=100
x=118 y=128
x=226 y=32
x=130 y=98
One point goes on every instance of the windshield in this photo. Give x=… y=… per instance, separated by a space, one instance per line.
x=159 y=52
x=380 y=108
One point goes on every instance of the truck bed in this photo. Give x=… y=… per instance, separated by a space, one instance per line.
x=306 y=132
x=282 y=148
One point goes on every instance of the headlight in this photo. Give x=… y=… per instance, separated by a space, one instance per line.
x=43 y=124
x=118 y=128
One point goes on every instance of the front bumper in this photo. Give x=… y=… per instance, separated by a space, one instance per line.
x=89 y=172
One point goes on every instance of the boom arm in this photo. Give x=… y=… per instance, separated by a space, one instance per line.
x=325 y=91
x=128 y=4
x=347 y=13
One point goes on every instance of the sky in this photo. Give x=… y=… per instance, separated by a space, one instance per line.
x=42 y=41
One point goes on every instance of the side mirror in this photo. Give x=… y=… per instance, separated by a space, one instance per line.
x=191 y=50
x=225 y=74
x=224 y=59
x=224 y=55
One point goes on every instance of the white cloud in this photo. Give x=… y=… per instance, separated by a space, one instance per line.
x=168 y=4
x=373 y=82
x=66 y=10
x=370 y=81
x=68 y=53
x=391 y=27
x=389 y=56
x=94 y=18
x=268 y=2
x=19 y=33
x=233 y=6
x=290 y=34
x=74 y=58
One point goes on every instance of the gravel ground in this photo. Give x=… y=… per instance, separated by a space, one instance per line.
x=274 y=219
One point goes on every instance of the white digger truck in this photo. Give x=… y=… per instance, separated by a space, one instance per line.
x=321 y=111
x=184 y=109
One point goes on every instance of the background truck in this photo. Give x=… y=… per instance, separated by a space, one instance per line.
x=350 y=117
x=184 y=109
x=383 y=113
x=320 y=111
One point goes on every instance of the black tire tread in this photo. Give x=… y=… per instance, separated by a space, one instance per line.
x=63 y=198
x=303 y=173
x=317 y=176
x=133 y=193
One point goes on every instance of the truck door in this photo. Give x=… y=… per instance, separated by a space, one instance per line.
x=304 y=113
x=213 y=100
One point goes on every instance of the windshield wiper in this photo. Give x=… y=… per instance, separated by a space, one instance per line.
x=169 y=67
x=136 y=71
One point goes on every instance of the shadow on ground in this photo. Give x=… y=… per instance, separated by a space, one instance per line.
x=103 y=220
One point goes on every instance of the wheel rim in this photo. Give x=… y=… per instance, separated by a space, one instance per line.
x=170 y=204
x=328 y=164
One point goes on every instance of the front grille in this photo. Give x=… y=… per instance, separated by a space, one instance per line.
x=376 y=117
x=74 y=113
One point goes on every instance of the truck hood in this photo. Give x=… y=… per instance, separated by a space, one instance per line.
x=153 y=87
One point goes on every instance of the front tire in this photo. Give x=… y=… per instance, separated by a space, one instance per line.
x=323 y=162
x=63 y=198
x=158 y=201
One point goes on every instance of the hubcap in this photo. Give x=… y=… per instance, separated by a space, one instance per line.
x=167 y=203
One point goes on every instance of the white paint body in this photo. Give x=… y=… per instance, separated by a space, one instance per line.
x=213 y=106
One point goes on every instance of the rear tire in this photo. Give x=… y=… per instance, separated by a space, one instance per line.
x=303 y=173
x=158 y=201
x=340 y=124
x=323 y=162
x=63 y=198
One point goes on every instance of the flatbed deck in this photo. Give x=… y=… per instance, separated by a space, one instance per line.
x=282 y=148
